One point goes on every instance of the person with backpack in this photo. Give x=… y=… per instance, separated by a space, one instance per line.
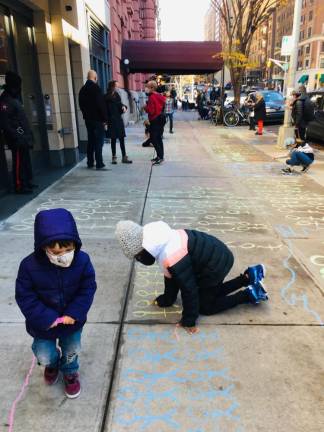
x=302 y=112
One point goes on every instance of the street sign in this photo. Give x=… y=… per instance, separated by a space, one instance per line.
x=287 y=45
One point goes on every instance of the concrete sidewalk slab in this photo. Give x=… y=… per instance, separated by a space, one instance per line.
x=222 y=379
x=45 y=408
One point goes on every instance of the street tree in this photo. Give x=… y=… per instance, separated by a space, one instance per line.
x=239 y=20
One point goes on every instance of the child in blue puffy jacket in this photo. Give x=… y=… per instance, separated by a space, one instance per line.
x=55 y=287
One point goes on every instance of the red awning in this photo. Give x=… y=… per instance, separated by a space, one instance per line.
x=172 y=57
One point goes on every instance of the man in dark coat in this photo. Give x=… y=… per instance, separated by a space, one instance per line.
x=194 y=263
x=93 y=107
x=116 y=128
x=302 y=112
x=173 y=93
x=55 y=288
x=17 y=133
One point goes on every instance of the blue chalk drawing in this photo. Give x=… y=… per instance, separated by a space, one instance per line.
x=292 y=299
x=194 y=384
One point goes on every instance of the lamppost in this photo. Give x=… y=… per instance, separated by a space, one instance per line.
x=287 y=131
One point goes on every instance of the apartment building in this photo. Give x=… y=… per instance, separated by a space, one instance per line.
x=52 y=44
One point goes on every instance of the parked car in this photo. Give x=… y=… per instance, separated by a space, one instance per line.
x=315 y=129
x=275 y=105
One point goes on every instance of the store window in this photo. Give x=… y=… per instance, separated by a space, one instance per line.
x=100 y=52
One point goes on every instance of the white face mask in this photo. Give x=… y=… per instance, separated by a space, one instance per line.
x=64 y=260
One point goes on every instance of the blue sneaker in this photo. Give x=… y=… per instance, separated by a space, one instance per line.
x=255 y=273
x=261 y=292
x=253 y=294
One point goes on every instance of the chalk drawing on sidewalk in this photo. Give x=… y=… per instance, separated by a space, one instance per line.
x=90 y=215
x=149 y=284
x=287 y=292
x=167 y=387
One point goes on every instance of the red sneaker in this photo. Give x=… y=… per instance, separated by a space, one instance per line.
x=51 y=375
x=72 y=385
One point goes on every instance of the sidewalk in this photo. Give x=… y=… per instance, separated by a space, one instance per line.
x=252 y=369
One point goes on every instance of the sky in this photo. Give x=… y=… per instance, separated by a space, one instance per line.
x=183 y=19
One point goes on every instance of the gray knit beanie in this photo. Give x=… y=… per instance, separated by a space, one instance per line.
x=130 y=237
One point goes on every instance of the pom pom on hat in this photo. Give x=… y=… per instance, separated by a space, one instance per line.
x=130 y=237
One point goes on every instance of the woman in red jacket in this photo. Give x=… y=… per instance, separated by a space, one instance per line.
x=155 y=110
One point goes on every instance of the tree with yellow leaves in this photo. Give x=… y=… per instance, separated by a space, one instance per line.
x=240 y=19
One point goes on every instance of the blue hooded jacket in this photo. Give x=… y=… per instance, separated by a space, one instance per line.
x=45 y=291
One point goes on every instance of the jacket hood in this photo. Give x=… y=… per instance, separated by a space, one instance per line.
x=55 y=224
x=155 y=237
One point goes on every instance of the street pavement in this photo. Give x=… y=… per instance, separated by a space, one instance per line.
x=251 y=369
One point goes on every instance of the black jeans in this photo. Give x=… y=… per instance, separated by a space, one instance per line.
x=156 y=132
x=21 y=168
x=217 y=299
x=96 y=135
x=170 y=117
x=300 y=132
x=122 y=146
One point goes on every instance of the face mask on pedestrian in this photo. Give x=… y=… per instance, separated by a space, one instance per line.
x=145 y=258
x=64 y=260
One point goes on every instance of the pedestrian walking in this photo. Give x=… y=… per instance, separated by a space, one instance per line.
x=214 y=95
x=93 y=107
x=17 y=133
x=301 y=155
x=194 y=263
x=174 y=97
x=249 y=103
x=260 y=112
x=116 y=128
x=169 y=111
x=302 y=112
x=55 y=287
x=155 y=110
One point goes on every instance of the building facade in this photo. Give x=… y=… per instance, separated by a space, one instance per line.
x=52 y=44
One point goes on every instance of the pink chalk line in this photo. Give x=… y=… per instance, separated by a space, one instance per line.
x=20 y=395
x=176 y=333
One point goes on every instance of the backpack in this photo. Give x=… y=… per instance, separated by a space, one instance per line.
x=309 y=110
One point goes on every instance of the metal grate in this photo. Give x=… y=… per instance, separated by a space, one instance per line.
x=97 y=32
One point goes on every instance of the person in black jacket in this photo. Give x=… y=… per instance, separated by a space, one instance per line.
x=116 y=128
x=300 y=106
x=17 y=133
x=260 y=112
x=93 y=107
x=194 y=263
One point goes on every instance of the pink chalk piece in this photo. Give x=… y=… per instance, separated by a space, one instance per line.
x=60 y=320
x=176 y=333
x=20 y=395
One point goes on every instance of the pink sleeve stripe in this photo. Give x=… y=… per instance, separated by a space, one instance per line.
x=179 y=254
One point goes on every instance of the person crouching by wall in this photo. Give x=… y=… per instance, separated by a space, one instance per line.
x=301 y=155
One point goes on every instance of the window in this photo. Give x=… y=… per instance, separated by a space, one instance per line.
x=322 y=47
x=321 y=63
x=307 y=49
x=310 y=16
x=306 y=63
x=309 y=32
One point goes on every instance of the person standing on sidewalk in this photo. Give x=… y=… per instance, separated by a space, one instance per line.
x=194 y=263
x=116 y=128
x=55 y=288
x=17 y=133
x=155 y=110
x=302 y=112
x=93 y=107
x=174 y=95
x=260 y=112
x=169 y=111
